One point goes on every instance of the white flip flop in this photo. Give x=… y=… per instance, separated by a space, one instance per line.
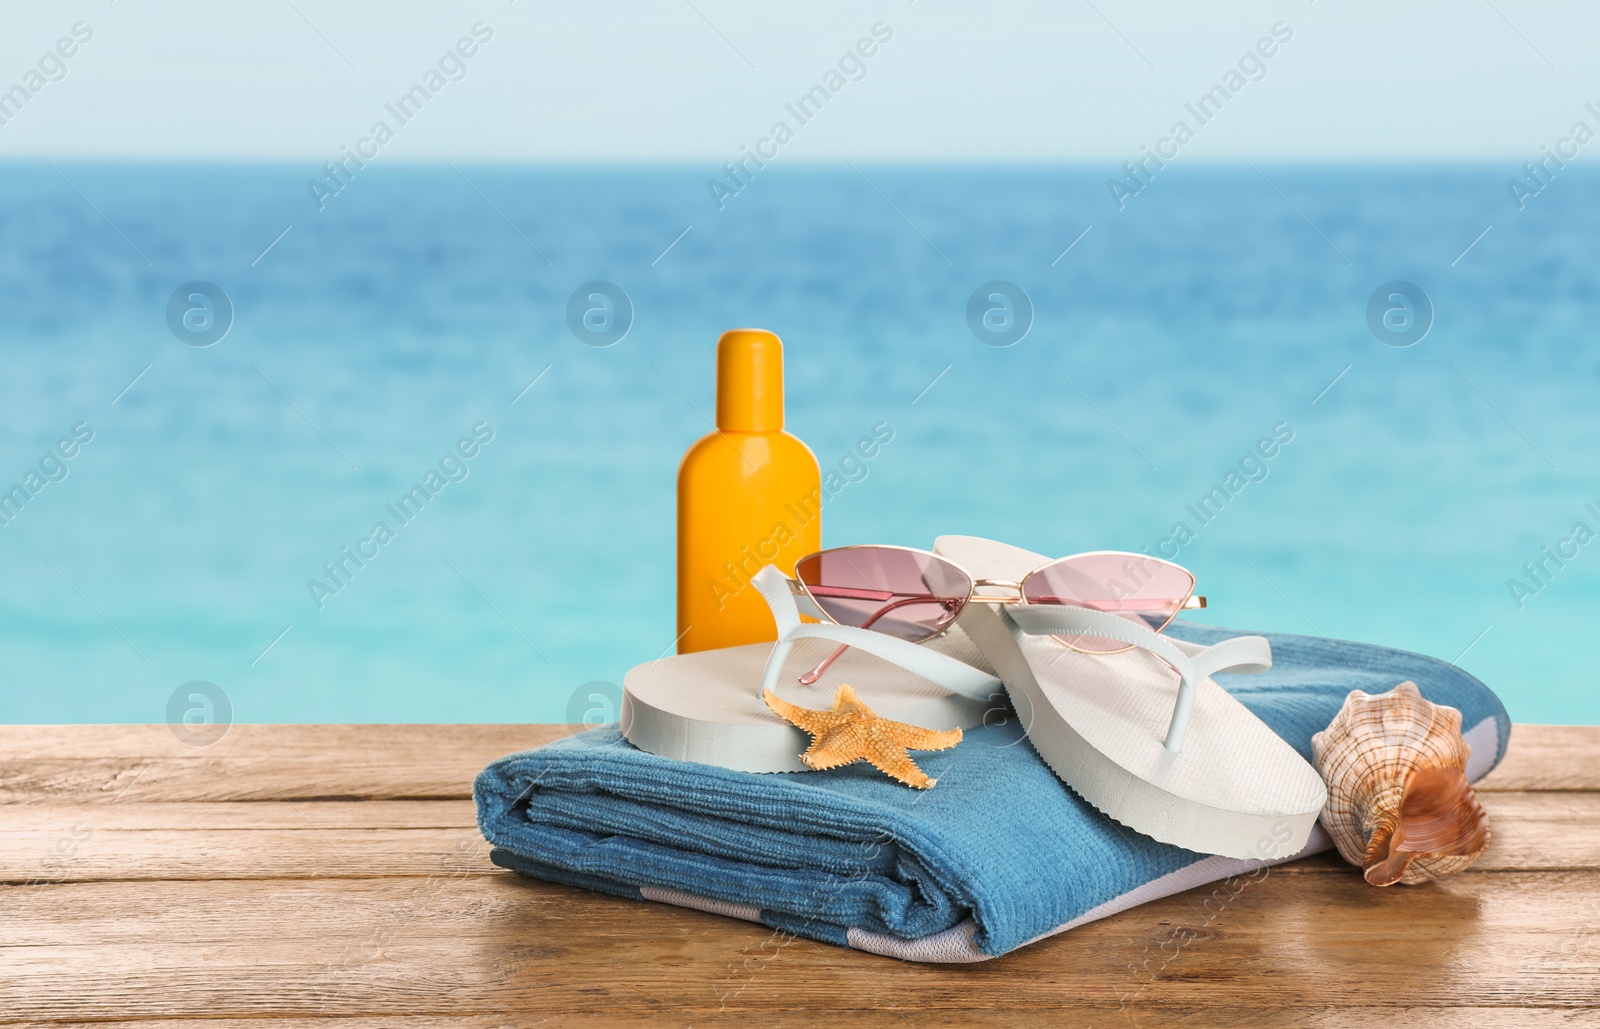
x=1144 y=735
x=706 y=706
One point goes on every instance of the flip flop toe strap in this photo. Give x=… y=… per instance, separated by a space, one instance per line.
x=955 y=676
x=1193 y=663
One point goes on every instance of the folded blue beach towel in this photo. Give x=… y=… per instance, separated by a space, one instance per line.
x=998 y=855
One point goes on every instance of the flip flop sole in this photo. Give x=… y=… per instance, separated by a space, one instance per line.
x=705 y=707
x=1236 y=789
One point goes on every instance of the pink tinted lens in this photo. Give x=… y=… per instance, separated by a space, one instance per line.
x=1144 y=590
x=903 y=593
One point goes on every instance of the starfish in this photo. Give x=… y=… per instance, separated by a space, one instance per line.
x=853 y=732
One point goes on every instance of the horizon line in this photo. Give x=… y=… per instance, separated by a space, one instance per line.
x=810 y=164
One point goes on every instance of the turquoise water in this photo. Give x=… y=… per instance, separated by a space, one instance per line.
x=378 y=332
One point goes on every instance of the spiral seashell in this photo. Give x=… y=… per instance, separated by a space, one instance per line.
x=1399 y=805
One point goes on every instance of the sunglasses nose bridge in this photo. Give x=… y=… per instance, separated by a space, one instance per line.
x=1013 y=594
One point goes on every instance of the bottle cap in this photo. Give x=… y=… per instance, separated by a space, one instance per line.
x=749 y=381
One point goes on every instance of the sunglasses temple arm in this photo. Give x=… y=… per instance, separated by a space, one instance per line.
x=955 y=676
x=816 y=673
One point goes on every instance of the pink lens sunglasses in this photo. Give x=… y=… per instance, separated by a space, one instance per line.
x=915 y=595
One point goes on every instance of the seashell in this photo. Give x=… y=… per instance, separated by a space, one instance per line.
x=1399 y=805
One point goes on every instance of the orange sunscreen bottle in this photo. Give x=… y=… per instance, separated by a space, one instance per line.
x=749 y=495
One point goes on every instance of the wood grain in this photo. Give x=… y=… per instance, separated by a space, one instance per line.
x=494 y=944
x=114 y=764
x=345 y=839
x=238 y=854
x=1264 y=1017
x=245 y=815
x=1548 y=757
x=331 y=877
x=111 y=764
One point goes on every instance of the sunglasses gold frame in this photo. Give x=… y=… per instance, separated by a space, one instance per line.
x=1191 y=600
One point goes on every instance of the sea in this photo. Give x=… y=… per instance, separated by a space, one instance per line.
x=1358 y=401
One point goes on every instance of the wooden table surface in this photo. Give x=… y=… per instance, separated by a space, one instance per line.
x=332 y=877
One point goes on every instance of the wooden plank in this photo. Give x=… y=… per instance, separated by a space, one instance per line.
x=310 y=814
x=85 y=854
x=106 y=764
x=430 y=744
x=1135 y=1016
x=343 y=839
x=113 y=763
x=1548 y=757
x=341 y=912
x=499 y=945
x=1533 y=831
x=1542 y=830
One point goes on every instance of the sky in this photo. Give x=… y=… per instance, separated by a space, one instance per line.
x=686 y=82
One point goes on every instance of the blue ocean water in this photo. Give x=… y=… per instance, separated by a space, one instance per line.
x=1221 y=303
